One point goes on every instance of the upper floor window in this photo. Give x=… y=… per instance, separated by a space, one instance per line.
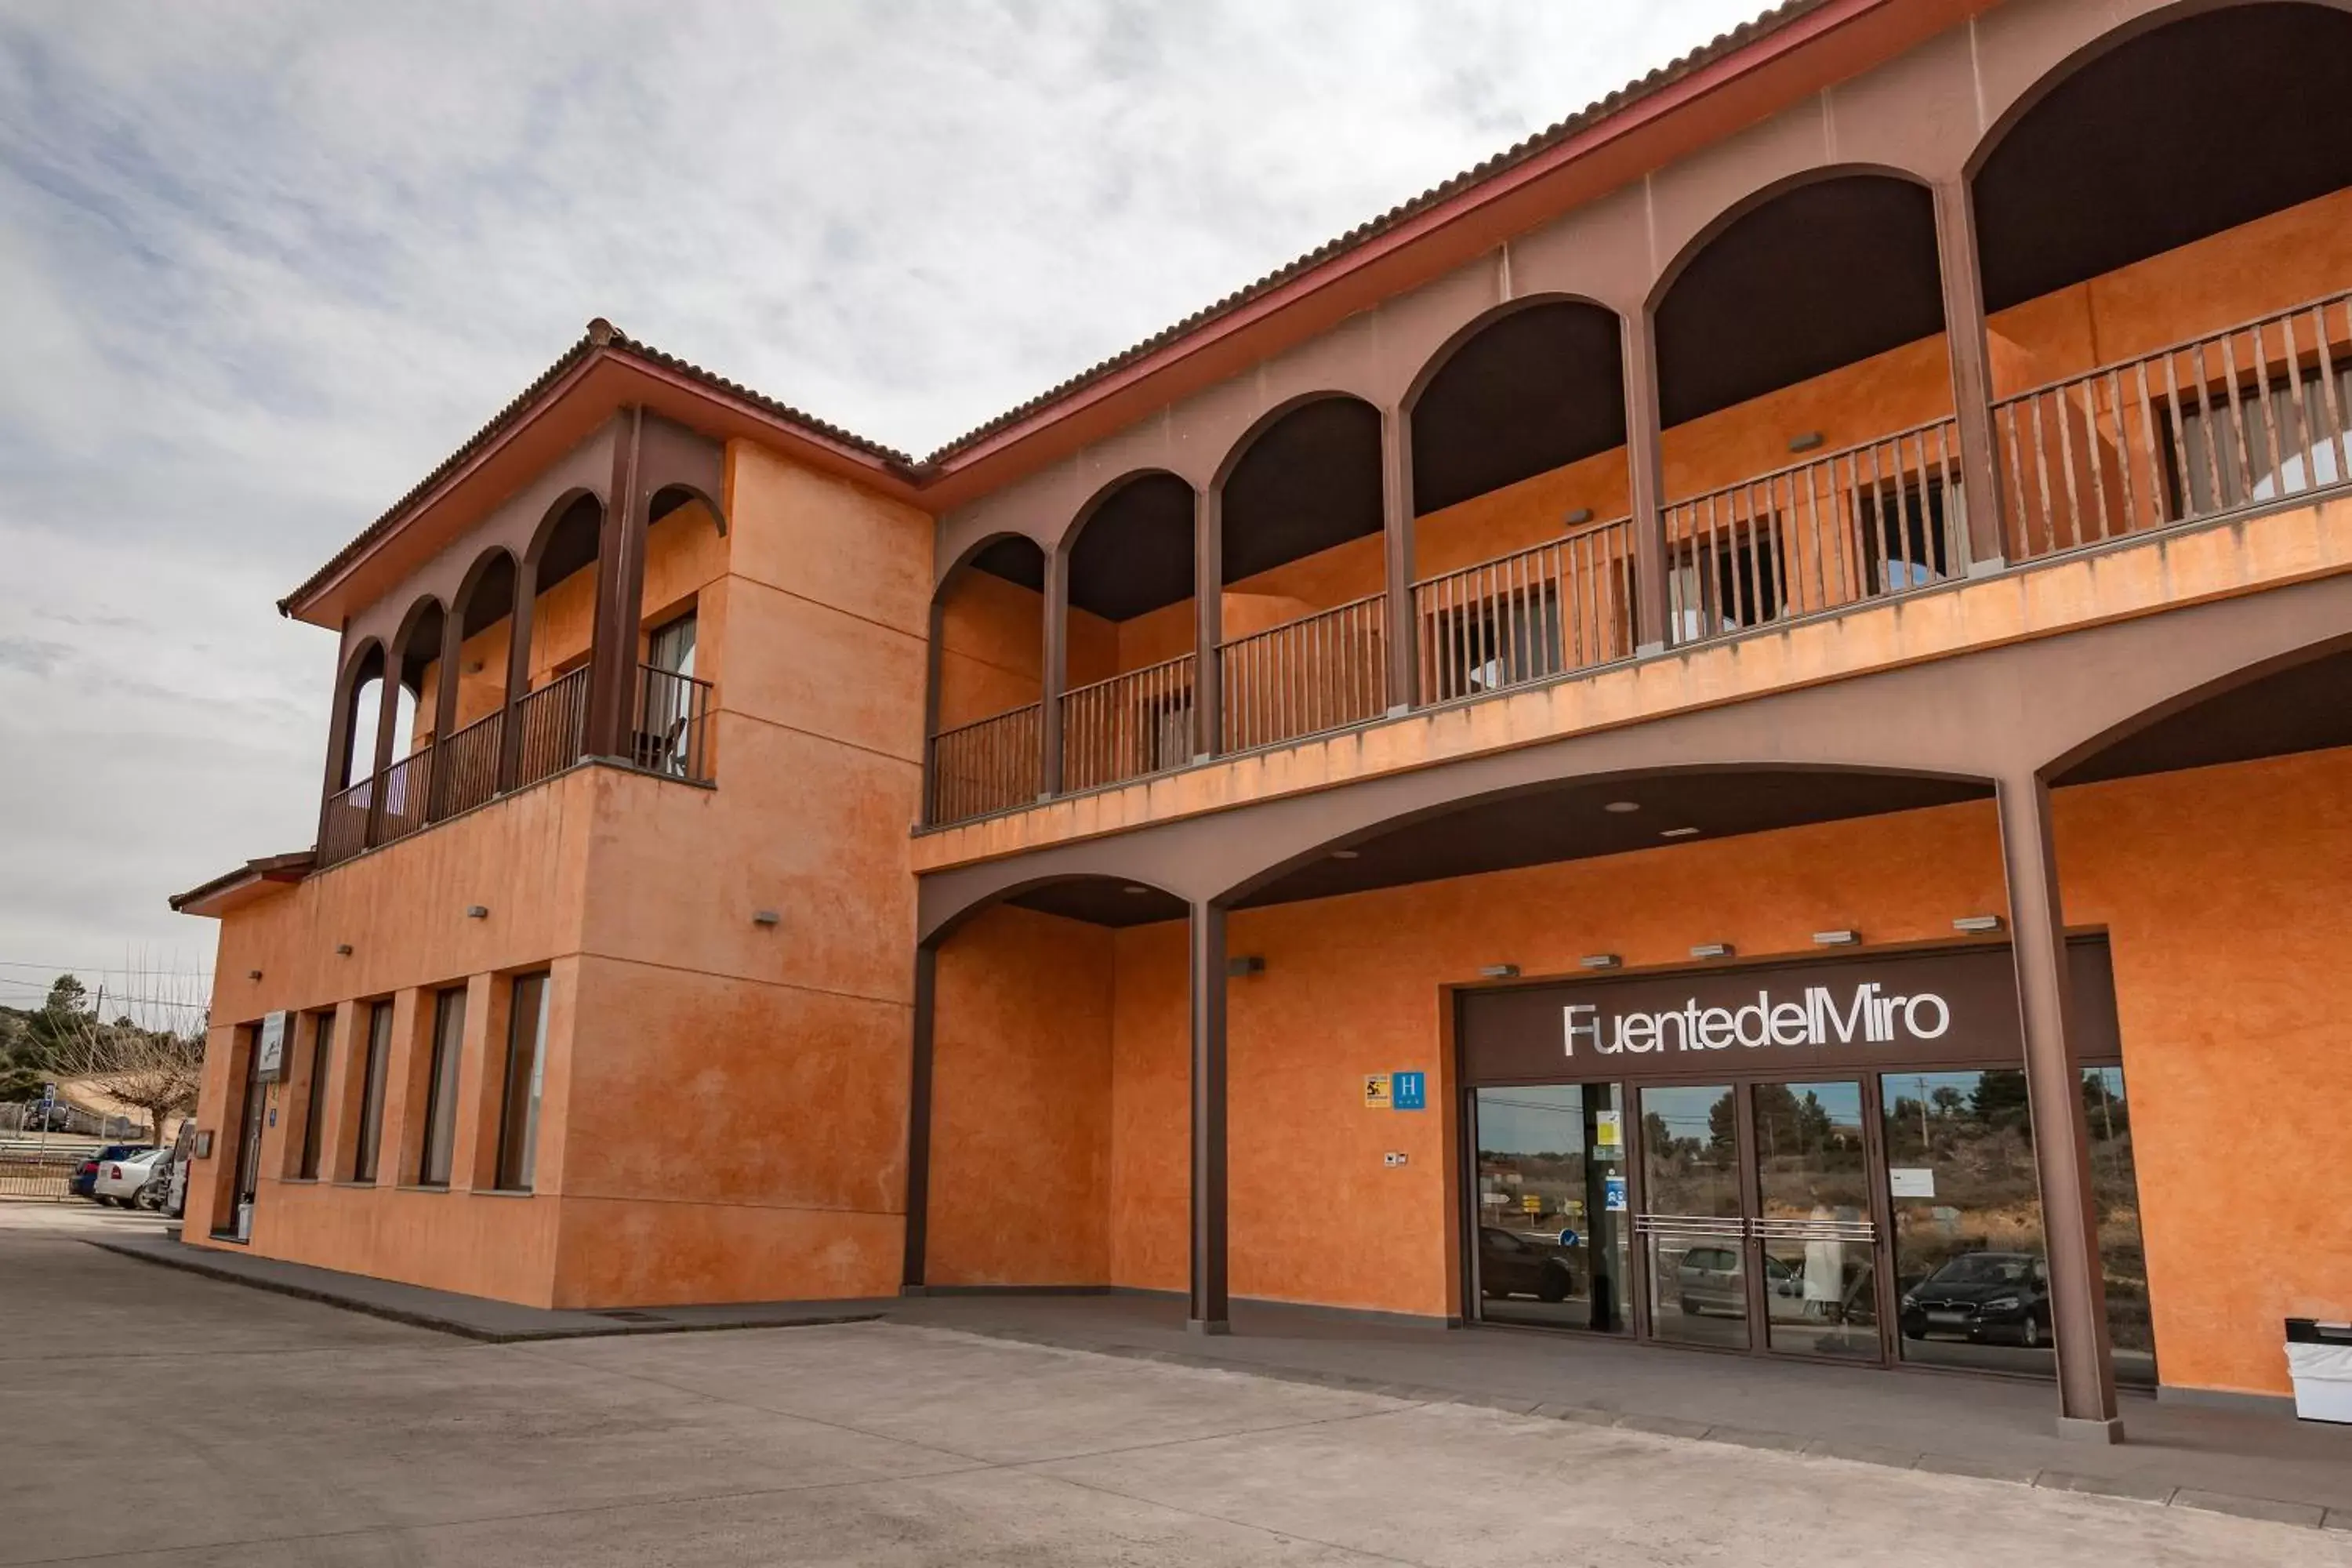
x=671 y=708
x=2241 y=448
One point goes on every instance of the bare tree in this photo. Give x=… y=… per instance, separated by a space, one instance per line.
x=156 y=1070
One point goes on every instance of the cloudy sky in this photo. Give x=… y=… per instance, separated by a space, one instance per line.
x=261 y=265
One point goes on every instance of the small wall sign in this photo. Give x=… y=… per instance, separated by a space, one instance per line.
x=1913 y=1182
x=269 y=1053
x=1410 y=1089
x=1376 y=1091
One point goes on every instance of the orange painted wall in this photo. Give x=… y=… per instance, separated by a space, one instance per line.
x=2219 y=890
x=1021 y=1093
x=738 y=1090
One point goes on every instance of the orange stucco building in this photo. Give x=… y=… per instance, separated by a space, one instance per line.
x=1734 y=730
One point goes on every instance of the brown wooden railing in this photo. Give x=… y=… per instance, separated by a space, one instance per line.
x=1869 y=520
x=343 y=825
x=673 y=724
x=2207 y=426
x=553 y=723
x=1323 y=671
x=1129 y=726
x=407 y=791
x=465 y=772
x=1564 y=605
x=993 y=764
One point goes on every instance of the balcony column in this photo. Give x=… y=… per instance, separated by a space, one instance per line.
x=935 y=623
x=1964 y=333
x=339 y=740
x=620 y=588
x=1208 y=1310
x=2061 y=1134
x=1644 y=481
x=918 y=1121
x=1396 y=553
x=388 y=710
x=445 y=708
x=518 y=630
x=1208 y=622
x=1055 y=673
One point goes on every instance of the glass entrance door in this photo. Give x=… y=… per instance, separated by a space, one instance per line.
x=1757 y=1228
x=1694 y=1219
x=1816 y=1242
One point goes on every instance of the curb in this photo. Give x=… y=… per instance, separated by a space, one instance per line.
x=452 y=1326
x=2122 y=1487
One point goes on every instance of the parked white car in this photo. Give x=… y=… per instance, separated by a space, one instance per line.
x=118 y=1181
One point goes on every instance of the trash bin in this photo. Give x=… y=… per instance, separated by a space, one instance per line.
x=2319 y=1360
x=245 y=1233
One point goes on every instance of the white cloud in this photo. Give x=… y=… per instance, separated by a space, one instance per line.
x=263 y=265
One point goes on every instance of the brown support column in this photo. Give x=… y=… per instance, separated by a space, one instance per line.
x=1208 y=622
x=620 y=586
x=2061 y=1135
x=1207 y=1313
x=1396 y=553
x=338 y=739
x=388 y=710
x=518 y=630
x=937 y=620
x=1056 y=670
x=1964 y=333
x=918 y=1122
x=444 y=707
x=1644 y=480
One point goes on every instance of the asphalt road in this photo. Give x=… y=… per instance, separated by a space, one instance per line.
x=149 y=1416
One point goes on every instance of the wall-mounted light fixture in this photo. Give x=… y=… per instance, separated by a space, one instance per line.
x=1623 y=808
x=253 y=975
x=1806 y=442
x=1599 y=961
x=1247 y=964
x=477 y=911
x=1678 y=833
x=1976 y=923
x=1499 y=971
x=1135 y=889
x=342 y=950
x=1836 y=938
x=1577 y=518
x=766 y=917
x=1712 y=950
x=474 y=667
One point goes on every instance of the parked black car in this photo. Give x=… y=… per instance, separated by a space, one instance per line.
x=1987 y=1298
x=85 y=1177
x=1513 y=1264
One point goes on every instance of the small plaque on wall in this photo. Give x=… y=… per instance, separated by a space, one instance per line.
x=269 y=1051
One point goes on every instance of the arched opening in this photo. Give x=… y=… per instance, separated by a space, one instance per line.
x=405 y=784
x=1128 y=709
x=361 y=699
x=1810 y=453
x=1522 y=546
x=987 y=681
x=1036 y=1169
x=2164 y=228
x=1305 y=634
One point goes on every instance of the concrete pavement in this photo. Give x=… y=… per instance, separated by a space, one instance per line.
x=299 y=1433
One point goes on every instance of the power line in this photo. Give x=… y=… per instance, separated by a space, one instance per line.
x=180 y=1002
x=77 y=969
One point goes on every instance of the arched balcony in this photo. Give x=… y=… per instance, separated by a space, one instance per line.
x=528 y=667
x=2169 y=293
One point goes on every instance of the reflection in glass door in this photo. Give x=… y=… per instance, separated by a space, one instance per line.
x=1693 y=1226
x=1818 y=1246
x=1552 y=1197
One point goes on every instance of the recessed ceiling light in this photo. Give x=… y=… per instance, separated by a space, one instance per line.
x=1622 y=807
x=1679 y=833
x=1133 y=888
x=1343 y=854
